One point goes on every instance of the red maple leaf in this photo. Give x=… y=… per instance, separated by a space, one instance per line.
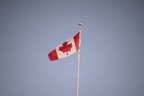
x=65 y=47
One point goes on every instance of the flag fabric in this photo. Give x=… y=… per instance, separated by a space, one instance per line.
x=67 y=48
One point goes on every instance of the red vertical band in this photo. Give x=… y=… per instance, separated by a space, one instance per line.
x=77 y=40
x=53 y=55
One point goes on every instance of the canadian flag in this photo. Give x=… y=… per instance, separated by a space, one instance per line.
x=67 y=48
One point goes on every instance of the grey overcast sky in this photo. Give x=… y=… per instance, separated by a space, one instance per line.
x=112 y=50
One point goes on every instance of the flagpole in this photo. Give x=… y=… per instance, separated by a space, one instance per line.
x=78 y=70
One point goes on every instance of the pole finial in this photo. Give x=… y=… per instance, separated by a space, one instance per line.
x=80 y=24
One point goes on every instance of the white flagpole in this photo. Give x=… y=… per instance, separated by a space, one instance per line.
x=78 y=70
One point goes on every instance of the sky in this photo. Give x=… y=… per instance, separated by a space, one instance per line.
x=112 y=47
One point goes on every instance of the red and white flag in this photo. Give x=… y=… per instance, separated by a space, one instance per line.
x=67 y=48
